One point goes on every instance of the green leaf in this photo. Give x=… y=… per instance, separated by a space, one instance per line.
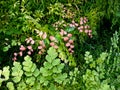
x=36 y=72
x=16 y=79
x=6 y=72
x=33 y=68
x=52 y=87
x=42 y=79
x=28 y=63
x=21 y=86
x=56 y=62
x=5 y=49
x=52 y=52
x=28 y=74
x=27 y=69
x=60 y=78
x=47 y=65
x=46 y=83
x=44 y=71
x=48 y=58
x=30 y=81
x=14 y=43
x=10 y=86
x=60 y=66
x=27 y=58
x=55 y=70
x=70 y=29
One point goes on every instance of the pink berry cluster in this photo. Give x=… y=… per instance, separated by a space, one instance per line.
x=82 y=26
x=42 y=34
x=68 y=41
x=41 y=47
x=23 y=48
x=53 y=42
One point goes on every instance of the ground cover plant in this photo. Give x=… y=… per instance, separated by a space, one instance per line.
x=59 y=45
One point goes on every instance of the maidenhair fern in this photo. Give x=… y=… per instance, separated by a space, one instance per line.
x=4 y=74
x=51 y=72
x=17 y=72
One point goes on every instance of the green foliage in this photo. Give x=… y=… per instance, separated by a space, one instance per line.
x=4 y=74
x=17 y=72
x=10 y=86
x=52 y=69
x=94 y=77
x=77 y=27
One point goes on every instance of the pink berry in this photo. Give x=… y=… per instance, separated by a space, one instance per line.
x=73 y=21
x=32 y=42
x=14 y=59
x=72 y=51
x=71 y=46
x=61 y=33
x=65 y=32
x=76 y=24
x=71 y=25
x=30 y=38
x=39 y=52
x=86 y=26
x=67 y=44
x=41 y=42
x=66 y=39
x=52 y=44
x=71 y=41
x=40 y=47
x=86 y=31
x=40 y=33
x=56 y=47
x=44 y=35
x=61 y=30
x=81 y=27
x=22 y=48
x=20 y=53
x=81 y=18
x=81 y=22
x=15 y=54
x=29 y=47
x=52 y=38
x=69 y=49
x=90 y=31
x=69 y=35
x=27 y=41
x=81 y=30
x=29 y=52
x=85 y=21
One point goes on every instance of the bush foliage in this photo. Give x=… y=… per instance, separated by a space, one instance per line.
x=59 y=45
